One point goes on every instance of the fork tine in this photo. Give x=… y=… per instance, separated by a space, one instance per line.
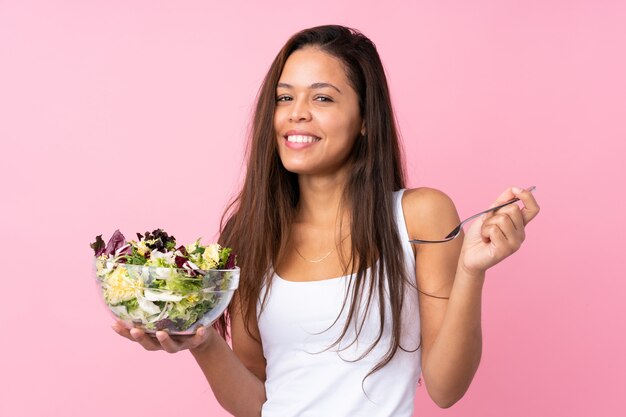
x=454 y=233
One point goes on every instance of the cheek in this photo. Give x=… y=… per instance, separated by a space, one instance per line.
x=276 y=120
x=348 y=128
x=334 y=125
x=281 y=116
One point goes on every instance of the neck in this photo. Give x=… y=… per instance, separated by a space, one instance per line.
x=320 y=199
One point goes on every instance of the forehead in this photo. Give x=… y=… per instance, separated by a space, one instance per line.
x=310 y=65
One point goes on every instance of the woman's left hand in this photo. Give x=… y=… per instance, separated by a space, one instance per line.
x=499 y=234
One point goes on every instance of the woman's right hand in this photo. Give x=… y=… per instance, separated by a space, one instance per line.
x=163 y=341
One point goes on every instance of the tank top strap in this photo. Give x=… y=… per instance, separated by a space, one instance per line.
x=409 y=255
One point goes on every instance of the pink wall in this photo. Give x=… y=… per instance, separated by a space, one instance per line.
x=132 y=115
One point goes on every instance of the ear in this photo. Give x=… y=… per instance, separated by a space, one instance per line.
x=363 y=131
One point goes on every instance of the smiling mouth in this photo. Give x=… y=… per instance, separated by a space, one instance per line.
x=302 y=139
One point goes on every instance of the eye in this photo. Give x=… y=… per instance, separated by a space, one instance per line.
x=283 y=98
x=324 y=99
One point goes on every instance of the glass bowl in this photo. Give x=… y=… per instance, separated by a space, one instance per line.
x=162 y=298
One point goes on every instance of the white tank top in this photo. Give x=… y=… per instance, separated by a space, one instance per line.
x=305 y=380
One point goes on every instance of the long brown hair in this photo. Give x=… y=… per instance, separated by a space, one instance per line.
x=257 y=223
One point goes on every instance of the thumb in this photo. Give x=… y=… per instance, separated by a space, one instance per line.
x=507 y=195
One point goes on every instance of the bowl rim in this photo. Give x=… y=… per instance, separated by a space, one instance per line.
x=96 y=260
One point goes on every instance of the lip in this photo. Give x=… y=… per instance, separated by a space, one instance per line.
x=300 y=133
x=299 y=145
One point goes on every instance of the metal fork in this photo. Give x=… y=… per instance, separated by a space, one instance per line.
x=457 y=230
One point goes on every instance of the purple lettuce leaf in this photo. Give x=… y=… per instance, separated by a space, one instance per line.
x=165 y=324
x=232 y=261
x=98 y=246
x=180 y=261
x=116 y=242
x=126 y=251
x=183 y=250
x=182 y=258
x=159 y=239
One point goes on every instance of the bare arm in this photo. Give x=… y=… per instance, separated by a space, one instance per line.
x=238 y=390
x=236 y=376
x=453 y=347
x=452 y=274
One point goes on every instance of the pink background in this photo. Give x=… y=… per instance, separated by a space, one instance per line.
x=132 y=115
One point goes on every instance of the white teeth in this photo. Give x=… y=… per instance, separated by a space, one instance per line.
x=302 y=139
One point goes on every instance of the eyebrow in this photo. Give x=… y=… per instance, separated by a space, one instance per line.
x=313 y=86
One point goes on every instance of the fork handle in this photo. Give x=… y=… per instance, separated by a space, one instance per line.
x=458 y=228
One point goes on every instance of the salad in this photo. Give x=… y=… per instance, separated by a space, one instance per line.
x=158 y=285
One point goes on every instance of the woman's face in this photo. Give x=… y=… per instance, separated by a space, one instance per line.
x=317 y=118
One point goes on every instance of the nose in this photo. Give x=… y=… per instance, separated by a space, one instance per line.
x=299 y=111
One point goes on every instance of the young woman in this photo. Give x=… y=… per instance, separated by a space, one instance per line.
x=337 y=314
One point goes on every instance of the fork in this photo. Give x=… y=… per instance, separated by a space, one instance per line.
x=457 y=230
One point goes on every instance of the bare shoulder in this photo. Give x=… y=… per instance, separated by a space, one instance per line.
x=428 y=212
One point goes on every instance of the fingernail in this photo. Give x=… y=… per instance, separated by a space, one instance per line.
x=161 y=336
x=516 y=190
x=134 y=333
x=201 y=331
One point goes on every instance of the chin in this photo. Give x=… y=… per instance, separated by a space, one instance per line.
x=298 y=169
x=298 y=166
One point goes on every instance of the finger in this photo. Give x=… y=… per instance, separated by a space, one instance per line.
x=199 y=338
x=503 y=225
x=120 y=329
x=486 y=231
x=173 y=344
x=497 y=238
x=531 y=208
x=148 y=342
x=500 y=221
x=166 y=342
x=514 y=234
x=514 y=212
x=506 y=196
x=499 y=245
